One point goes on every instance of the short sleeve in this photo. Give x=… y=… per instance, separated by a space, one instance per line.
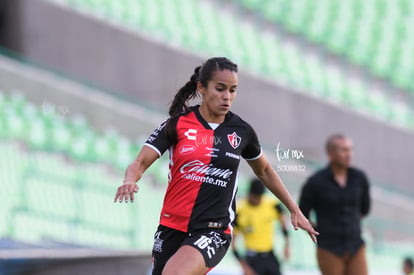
x=159 y=140
x=252 y=150
x=279 y=209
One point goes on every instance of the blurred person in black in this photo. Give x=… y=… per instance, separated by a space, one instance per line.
x=339 y=195
x=408 y=266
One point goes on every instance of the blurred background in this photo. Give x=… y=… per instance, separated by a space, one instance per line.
x=84 y=82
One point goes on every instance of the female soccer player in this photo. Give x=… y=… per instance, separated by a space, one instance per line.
x=205 y=144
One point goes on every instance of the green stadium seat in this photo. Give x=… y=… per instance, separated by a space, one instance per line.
x=99 y=209
x=20 y=230
x=404 y=68
x=102 y=148
x=272 y=60
x=81 y=148
x=17 y=100
x=252 y=4
x=350 y=29
x=15 y=124
x=368 y=33
x=38 y=134
x=382 y=63
x=60 y=199
x=68 y=200
x=317 y=25
x=124 y=152
x=401 y=115
x=60 y=195
x=62 y=137
x=272 y=10
x=296 y=14
x=95 y=237
x=78 y=123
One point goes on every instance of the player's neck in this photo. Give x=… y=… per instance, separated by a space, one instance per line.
x=209 y=116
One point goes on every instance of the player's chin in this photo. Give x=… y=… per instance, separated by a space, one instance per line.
x=222 y=109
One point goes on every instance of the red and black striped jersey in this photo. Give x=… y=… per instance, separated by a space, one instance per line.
x=202 y=181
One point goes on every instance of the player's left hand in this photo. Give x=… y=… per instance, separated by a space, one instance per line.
x=126 y=192
x=300 y=221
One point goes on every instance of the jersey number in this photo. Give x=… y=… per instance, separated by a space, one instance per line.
x=203 y=243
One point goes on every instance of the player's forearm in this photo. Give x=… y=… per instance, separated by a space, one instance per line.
x=134 y=172
x=273 y=182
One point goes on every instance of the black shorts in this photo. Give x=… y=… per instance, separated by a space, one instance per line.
x=212 y=244
x=263 y=263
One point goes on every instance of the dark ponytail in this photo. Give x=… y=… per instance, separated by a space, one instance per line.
x=179 y=104
x=189 y=91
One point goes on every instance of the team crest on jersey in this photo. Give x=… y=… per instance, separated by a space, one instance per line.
x=234 y=140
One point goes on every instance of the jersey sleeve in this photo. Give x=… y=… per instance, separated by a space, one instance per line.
x=253 y=149
x=279 y=209
x=159 y=140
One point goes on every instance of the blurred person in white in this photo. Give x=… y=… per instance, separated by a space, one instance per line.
x=339 y=195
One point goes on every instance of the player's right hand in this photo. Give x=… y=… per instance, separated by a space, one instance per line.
x=126 y=192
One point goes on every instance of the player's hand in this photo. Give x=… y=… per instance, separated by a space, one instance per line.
x=126 y=192
x=300 y=221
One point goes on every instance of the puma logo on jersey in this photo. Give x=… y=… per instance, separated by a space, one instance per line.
x=231 y=155
x=191 y=134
